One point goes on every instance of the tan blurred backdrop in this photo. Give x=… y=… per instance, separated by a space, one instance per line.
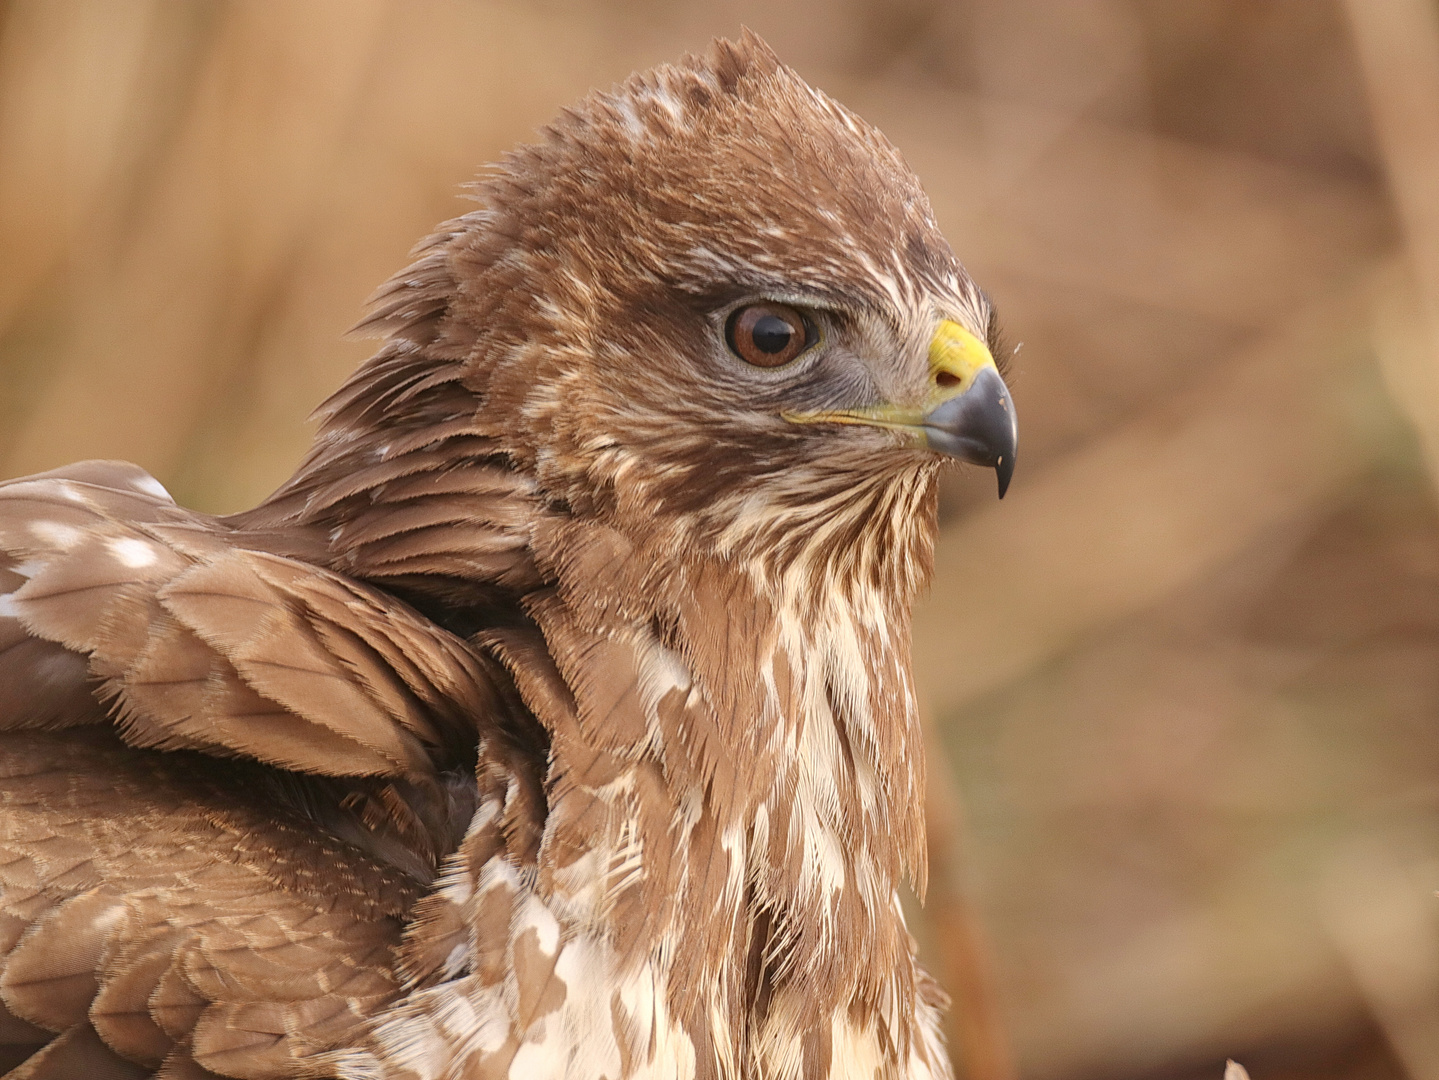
x=1183 y=682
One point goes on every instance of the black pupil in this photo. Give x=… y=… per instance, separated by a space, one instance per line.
x=772 y=334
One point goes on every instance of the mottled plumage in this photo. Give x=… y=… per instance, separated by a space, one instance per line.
x=555 y=720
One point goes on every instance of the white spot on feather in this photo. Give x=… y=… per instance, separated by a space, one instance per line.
x=645 y=1001
x=133 y=552
x=854 y=1051
x=498 y=874
x=581 y=887
x=535 y=1059
x=536 y=916
x=107 y=919
x=629 y=119
x=663 y=96
x=823 y=858
x=458 y=960
x=732 y=841
x=358 y=1065
x=456 y=887
x=55 y=534
x=480 y=1024
x=586 y=969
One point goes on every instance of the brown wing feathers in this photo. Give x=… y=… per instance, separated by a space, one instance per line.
x=158 y=914
x=203 y=645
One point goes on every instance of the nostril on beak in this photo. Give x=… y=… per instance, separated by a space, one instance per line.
x=945 y=379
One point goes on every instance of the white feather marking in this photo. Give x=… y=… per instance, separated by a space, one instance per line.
x=665 y=98
x=586 y=968
x=477 y=1022
x=107 y=919
x=359 y=1065
x=760 y=832
x=534 y=1060
x=133 y=552
x=534 y=915
x=657 y=1036
x=55 y=534
x=411 y=1039
x=456 y=886
x=634 y=128
x=70 y=492
x=823 y=858
x=733 y=845
x=498 y=873
x=626 y=866
x=662 y=670
x=854 y=1051
x=458 y=962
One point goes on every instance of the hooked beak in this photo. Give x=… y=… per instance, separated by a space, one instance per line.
x=967 y=412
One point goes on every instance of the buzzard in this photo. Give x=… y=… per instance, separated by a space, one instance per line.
x=555 y=720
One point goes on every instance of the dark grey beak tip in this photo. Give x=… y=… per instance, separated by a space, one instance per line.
x=978 y=426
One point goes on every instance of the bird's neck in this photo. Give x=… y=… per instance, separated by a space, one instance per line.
x=736 y=793
x=730 y=798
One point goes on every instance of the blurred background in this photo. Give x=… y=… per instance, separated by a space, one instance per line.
x=1183 y=684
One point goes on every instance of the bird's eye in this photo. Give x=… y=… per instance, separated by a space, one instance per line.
x=769 y=335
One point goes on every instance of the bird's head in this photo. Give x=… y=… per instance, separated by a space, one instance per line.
x=710 y=296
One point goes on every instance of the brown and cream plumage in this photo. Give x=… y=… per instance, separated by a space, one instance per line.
x=555 y=720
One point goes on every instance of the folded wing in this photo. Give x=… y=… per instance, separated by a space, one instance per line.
x=116 y=601
x=204 y=747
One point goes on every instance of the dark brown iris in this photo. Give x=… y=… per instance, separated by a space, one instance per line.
x=768 y=335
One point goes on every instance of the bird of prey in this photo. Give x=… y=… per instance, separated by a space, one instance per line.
x=555 y=720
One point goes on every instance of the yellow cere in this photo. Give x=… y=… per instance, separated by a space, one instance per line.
x=956 y=352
